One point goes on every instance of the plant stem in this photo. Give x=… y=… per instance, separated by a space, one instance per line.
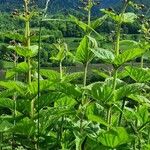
x=142 y=62
x=121 y=113
x=29 y=72
x=1 y=140
x=14 y=99
x=84 y=81
x=61 y=70
x=85 y=74
x=32 y=108
x=109 y=116
x=39 y=55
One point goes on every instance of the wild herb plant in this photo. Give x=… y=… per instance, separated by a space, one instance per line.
x=50 y=110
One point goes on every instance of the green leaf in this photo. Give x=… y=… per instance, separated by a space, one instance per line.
x=128 y=17
x=140 y=99
x=47 y=99
x=50 y=74
x=72 y=76
x=25 y=127
x=83 y=54
x=128 y=89
x=62 y=51
x=114 y=138
x=69 y=90
x=10 y=74
x=15 y=36
x=112 y=15
x=103 y=54
x=98 y=22
x=24 y=51
x=138 y=74
x=101 y=74
x=122 y=74
x=128 y=44
x=7 y=103
x=17 y=86
x=142 y=114
x=102 y=92
x=5 y=126
x=128 y=55
x=94 y=113
x=65 y=102
x=97 y=119
x=33 y=87
x=81 y=24
x=22 y=67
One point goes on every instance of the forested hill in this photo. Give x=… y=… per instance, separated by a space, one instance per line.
x=61 y=5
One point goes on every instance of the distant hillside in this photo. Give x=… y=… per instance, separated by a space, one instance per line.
x=63 y=5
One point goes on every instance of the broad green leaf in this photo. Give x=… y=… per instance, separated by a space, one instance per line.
x=128 y=17
x=102 y=92
x=65 y=102
x=81 y=24
x=7 y=103
x=7 y=93
x=94 y=113
x=72 y=76
x=128 y=55
x=24 y=51
x=68 y=89
x=128 y=44
x=83 y=54
x=112 y=15
x=122 y=74
x=6 y=64
x=51 y=116
x=10 y=74
x=98 y=22
x=101 y=74
x=128 y=89
x=62 y=51
x=114 y=138
x=17 y=86
x=97 y=119
x=33 y=87
x=142 y=114
x=47 y=99
x=25 y=127
x=146 y=56
x=103 y=54
x=22 y=67
x=138 y=74
x=50 y=74
x=5 y=126
x=92 y=144
x=15 y=36
x=140 y=99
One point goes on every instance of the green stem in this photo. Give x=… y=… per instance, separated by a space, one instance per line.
x=39 y=54
x=1 y=140
x=32 y=108
x=61 y=70
x=85 y=74
x=29 y=72
x=142 y=62
x=84 y=82
x=109 y=116
x=121 y=113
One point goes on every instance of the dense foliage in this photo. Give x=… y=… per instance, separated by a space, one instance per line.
x=44 y=109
